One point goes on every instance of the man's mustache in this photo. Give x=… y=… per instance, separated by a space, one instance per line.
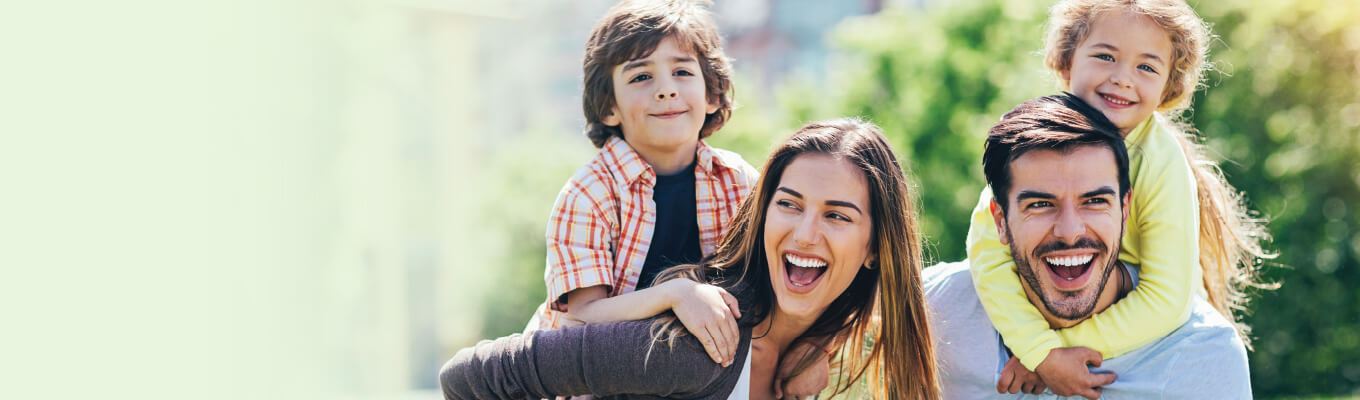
x=1058 y=245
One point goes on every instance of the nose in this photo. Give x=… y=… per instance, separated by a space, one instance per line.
x=805 y=235
x=666 y=89
x=1069 y=226
x=1121 y=79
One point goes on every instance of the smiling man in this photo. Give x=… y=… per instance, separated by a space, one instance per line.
x=1060 y=172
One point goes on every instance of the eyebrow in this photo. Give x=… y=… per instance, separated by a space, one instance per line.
x=644 y=62
x=836 y=203
x=1110 y=47
x=1030 y=194
x=1099 y=192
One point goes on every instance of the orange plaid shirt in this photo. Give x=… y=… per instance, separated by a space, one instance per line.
x=602 y=222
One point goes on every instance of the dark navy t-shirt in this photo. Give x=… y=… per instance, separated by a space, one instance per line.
x=676 y=238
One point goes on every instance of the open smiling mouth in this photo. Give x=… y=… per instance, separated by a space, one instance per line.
x=803 y=272
x=1069 y=271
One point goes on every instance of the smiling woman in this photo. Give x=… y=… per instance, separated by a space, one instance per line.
x=825 y=250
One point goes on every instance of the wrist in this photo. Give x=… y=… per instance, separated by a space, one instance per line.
x=675 y=291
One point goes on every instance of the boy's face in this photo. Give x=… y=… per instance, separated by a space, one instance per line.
x=660 y=101
x=1121 y=68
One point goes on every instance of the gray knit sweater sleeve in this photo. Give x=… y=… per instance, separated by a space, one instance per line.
x=617 y=360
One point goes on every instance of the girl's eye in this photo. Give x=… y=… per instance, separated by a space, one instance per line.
x=639 y=78
x=1105 y=57
x=1147 y=68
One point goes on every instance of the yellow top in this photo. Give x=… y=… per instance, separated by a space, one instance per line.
x=1162 y=236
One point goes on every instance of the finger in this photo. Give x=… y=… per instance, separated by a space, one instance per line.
x=706 y=339
x=731 y=302
x=1091 y=356
x=1015 y=386
x=1103 y=379
x=733 y=337
x=719 y=343
x=1027 y=388
x=1092 y=393
x=1039 y=388
x=1005 y=381
x=779 y=389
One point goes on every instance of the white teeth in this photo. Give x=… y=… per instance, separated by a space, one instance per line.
x=805 y=262
x=1117 y=101
x=1069 y=260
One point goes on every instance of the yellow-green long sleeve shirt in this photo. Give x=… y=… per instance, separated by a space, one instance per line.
x=1162 y=237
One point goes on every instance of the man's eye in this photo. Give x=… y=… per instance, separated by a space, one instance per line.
x=1097 y=200
x=1039 y=204
x=640 y=78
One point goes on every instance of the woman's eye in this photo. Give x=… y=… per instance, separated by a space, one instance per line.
x=640 y=78
x=1147 y=68
x=838 y=217
x=786 y=204
x=1105 y=57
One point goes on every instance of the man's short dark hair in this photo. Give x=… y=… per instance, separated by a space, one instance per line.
x=1060 y=122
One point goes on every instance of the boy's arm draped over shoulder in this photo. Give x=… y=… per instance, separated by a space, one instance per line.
x=1024 y=329
x=1162 y=233
x=603 y=359
x=579 y=237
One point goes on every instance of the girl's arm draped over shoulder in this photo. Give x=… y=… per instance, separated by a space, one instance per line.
x=604 y=360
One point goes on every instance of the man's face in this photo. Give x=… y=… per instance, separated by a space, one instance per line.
x=1063 y=226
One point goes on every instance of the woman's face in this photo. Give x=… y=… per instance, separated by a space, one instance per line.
x=817 y=233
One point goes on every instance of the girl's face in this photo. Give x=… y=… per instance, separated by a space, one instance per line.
x=1121 y=68
x=817 y=233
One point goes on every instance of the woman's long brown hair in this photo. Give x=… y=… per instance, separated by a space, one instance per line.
x=877 y=327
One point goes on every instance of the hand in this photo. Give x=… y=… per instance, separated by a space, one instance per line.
x=808 y=383
x=710 y=314
x=1015 y=378
x=1064 y=371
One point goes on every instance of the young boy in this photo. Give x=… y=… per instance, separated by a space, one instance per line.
x=656 y=83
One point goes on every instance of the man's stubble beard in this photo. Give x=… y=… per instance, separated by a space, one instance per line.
x=1068 y=312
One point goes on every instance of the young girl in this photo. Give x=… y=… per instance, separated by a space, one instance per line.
x=1138 y=61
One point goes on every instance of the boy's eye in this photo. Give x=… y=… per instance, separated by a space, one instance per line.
x=684 y=72
x=1105 y=57
x=640 y=77
x=1147 y=68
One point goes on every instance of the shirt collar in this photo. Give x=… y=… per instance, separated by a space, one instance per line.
x=633 y=168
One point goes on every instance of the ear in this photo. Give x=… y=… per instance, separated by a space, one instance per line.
x=613 y=118
x=1066 y=78
x=999 y=218
x=1127 y=197
x=870 y=260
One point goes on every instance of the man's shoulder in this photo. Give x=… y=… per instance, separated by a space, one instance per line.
x=947 y=278
x=1181 y=361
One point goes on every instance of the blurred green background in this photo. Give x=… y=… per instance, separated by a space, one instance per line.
x=326 y=199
